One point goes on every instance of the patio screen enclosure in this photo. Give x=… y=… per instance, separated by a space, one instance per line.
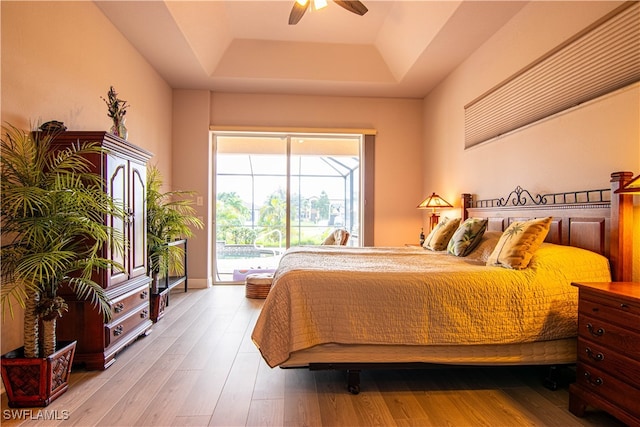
x=274 y=191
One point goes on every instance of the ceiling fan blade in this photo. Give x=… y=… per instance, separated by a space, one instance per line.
x=354 y=6
x=297 y=11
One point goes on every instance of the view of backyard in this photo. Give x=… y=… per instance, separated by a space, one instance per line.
x=252 y=230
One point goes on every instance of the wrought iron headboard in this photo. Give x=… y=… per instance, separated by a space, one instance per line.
x=521 y=197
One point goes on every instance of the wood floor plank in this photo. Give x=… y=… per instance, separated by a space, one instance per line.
x=336 y=406
x=235 y=401
x=126 y=410
x=203 y=396
x=269 y=383
x=194 y=421
x=301 y=407
x=398 y=397
x=266 y=413
x=370 y=405
x=166 y=402
x=92 y=411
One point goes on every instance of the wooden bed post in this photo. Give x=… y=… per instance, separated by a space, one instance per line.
x=466 y=201
x=621 y=230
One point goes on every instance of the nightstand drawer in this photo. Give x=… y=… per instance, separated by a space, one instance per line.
x=612 y=310
x=605 y=359
x=607 y=334
x=609 y=388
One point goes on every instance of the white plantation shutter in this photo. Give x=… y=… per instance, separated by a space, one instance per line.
x=603 y=59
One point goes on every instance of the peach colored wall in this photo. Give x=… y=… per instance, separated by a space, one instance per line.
x=58 y=59
x=190 y=159
x=574 y=150
x=398 y=145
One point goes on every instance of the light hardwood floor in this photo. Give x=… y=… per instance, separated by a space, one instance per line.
x=199 y=367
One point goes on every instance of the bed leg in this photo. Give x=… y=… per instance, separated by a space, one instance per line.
x=552 y=379
x=353 y=381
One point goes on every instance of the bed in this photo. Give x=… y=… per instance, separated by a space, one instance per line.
x=360 y=308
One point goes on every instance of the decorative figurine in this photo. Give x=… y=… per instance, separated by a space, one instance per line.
x=117 y=108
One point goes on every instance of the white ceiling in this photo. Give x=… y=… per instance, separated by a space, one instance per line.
x=398 y=49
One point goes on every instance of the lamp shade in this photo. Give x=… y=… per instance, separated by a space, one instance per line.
x=434 y=201
x=631 y=187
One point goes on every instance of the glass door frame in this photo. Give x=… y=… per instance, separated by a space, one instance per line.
x=361 y=215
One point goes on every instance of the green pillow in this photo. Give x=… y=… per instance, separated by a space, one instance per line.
x=467 y=236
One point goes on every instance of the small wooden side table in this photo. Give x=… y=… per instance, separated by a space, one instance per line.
x=608 y=369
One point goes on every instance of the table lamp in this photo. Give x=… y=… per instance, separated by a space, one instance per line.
x=434 y=202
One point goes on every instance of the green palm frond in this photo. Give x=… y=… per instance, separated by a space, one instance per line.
x=170 y=216
x=52 y=217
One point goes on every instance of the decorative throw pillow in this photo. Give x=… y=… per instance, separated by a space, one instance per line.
x=519 y=242
x=486 y=246
x=467 y=236
x=337 y=237
x=441 y=234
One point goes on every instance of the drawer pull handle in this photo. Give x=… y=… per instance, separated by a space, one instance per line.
x=117 y=331
x=595 y=332
x=624 y=306
x=143 y=294
x=597 y=382
x=594 y=356
x=118 y=307
x=144 y=314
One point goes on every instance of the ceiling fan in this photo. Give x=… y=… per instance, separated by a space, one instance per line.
x=301 y=6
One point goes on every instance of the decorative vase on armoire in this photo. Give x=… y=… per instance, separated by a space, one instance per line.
x=120 y=129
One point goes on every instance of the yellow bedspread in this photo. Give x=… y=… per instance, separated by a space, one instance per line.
x=413 y=296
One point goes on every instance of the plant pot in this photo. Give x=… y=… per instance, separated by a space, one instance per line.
x=37 y=381
x=158 y=303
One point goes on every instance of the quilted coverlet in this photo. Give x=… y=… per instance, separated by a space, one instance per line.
x=411 y=296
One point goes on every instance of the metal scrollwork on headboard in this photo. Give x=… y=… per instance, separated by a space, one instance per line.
x=522 y=197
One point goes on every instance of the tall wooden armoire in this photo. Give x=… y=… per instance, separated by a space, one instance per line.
x=124 y=172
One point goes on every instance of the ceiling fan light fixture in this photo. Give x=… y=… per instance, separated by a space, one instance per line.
x=301 y=6
x=319 y=4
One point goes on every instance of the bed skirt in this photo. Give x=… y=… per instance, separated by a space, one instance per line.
x=562 y=351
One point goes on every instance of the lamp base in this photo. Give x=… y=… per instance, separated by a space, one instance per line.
x=433 y=220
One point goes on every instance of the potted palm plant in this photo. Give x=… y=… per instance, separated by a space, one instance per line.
x=170 y=216
x=53 y=234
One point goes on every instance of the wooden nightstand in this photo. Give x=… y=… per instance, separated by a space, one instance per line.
x=608 y=369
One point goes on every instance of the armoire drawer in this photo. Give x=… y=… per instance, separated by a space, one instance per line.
x=120 y=328
x=122 y=305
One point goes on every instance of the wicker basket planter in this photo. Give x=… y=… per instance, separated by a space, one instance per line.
x=37 y=381
x=158 y=304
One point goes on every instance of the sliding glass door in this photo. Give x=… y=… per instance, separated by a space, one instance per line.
x=274 y=191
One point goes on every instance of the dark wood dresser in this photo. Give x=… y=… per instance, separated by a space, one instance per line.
x=124 y=172
x=608 y=370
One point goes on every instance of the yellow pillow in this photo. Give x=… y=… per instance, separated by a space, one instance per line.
x=519 y=242
x=439 y=237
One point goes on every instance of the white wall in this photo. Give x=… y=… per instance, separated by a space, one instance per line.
x=574 y=150
x=58 y=59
